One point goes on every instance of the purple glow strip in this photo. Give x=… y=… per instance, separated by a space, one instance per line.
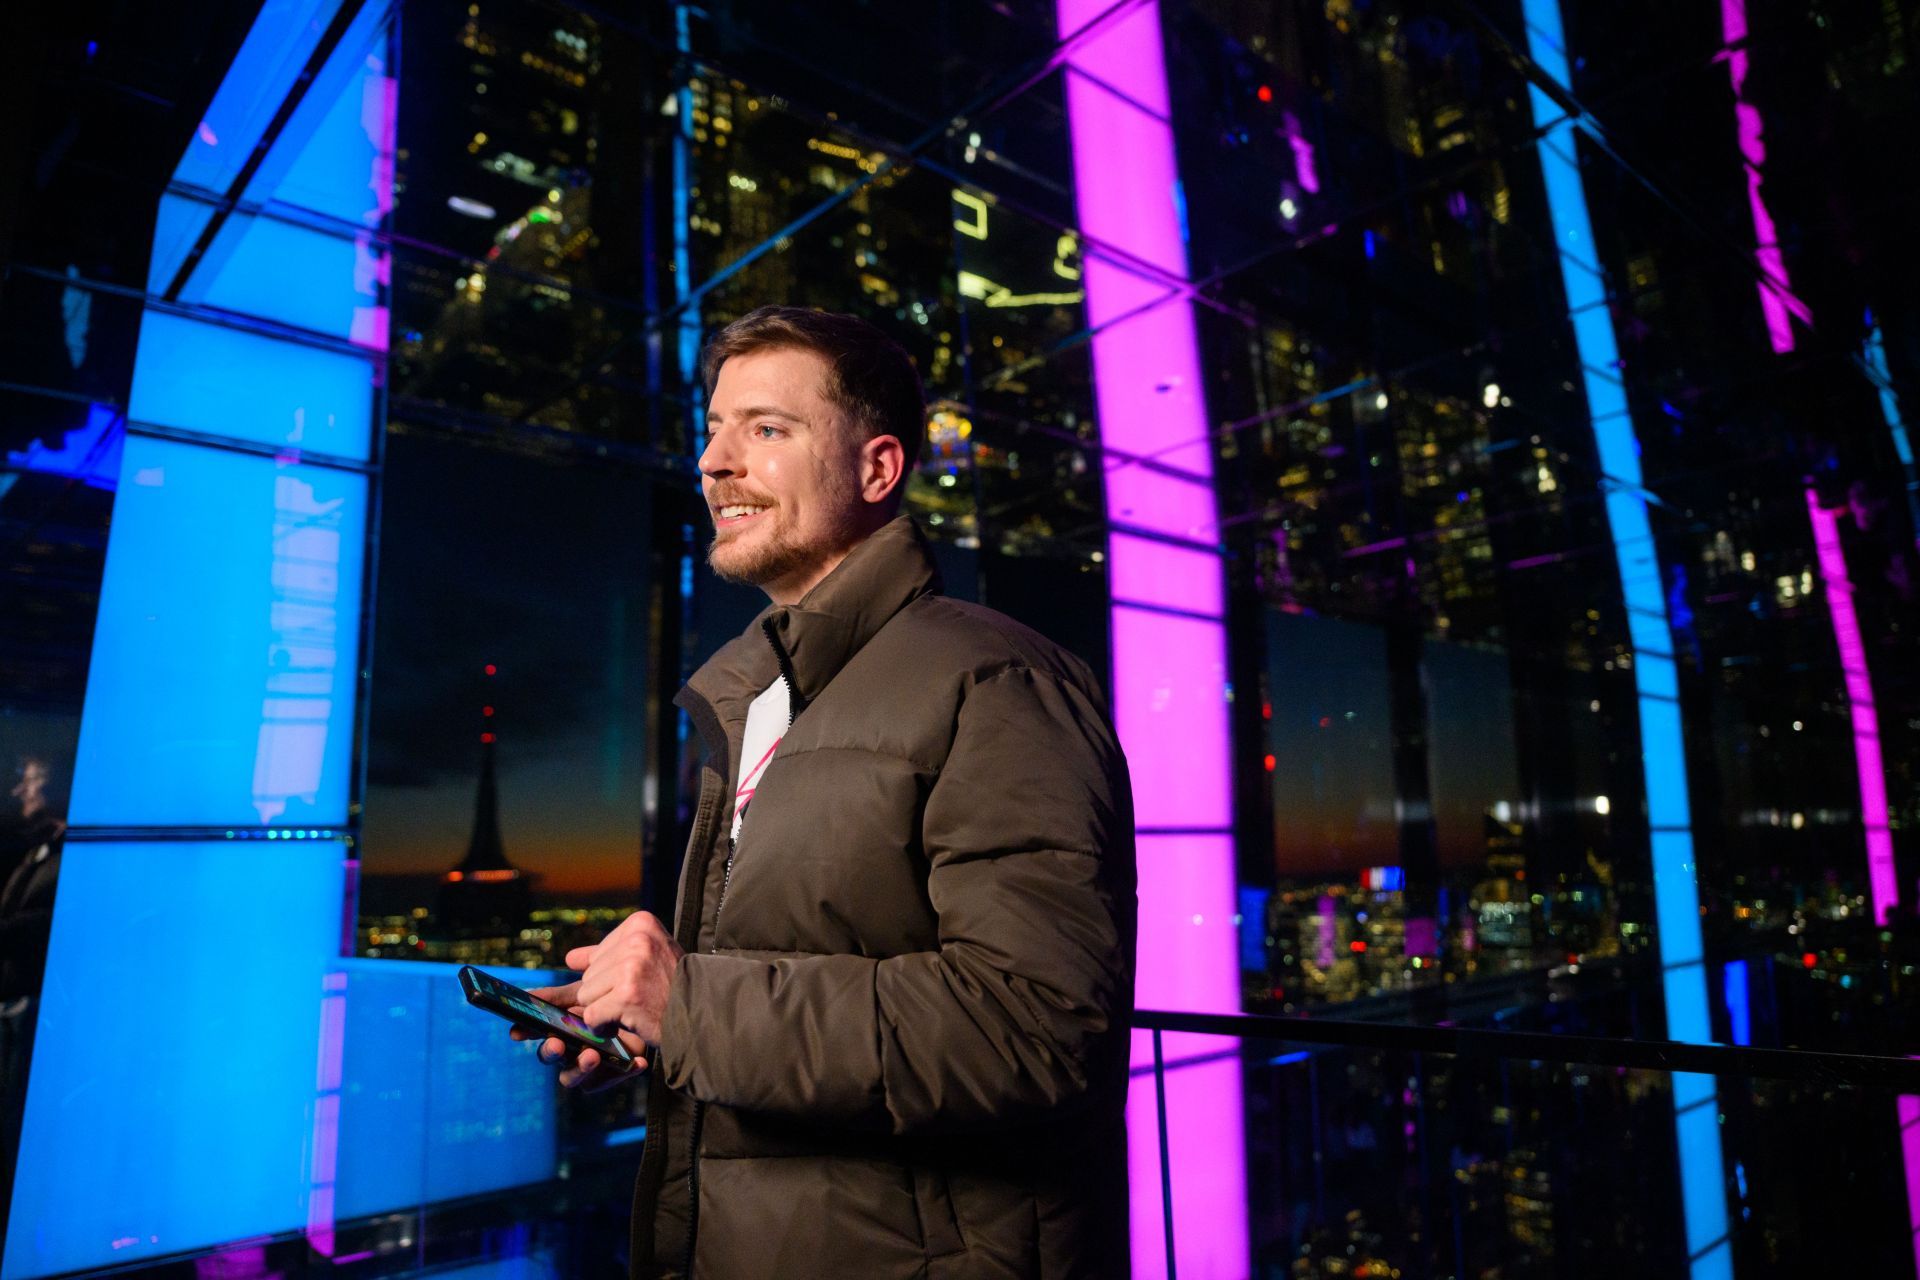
x=1304 y=168
x=1167 y=575
x=372 y=264
x=1907 y=1107
x=326 y=1116
x=1777 y=299
x=1169 y=671
x=1186 y=893
x=1883 y=888
x=1882 y=885
x=1169 y=707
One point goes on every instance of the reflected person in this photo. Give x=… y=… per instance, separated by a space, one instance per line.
x=887 y=1032
x=31 y=834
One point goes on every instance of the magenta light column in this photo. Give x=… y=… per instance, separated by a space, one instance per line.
x=1883 y=889
x=1169 y=640
x=1882 y=886
x=1777 y=300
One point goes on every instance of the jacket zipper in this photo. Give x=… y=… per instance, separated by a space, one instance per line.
x=719 y=904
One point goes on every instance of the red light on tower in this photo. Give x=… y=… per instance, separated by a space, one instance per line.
x=486 y=737
x=1809 y=960
x=1264 y=93
x=492 y=670
x=1271 y=764
x=487 y=711
x=1356 y=946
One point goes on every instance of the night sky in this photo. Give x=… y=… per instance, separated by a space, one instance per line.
x=539 y=568
x=1332 y=742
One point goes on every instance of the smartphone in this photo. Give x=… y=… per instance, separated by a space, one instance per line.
x=528 y=1011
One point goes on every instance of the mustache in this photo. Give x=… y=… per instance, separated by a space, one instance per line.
x=726 y=497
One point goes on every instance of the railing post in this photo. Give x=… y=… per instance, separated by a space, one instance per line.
x=1166 y=1162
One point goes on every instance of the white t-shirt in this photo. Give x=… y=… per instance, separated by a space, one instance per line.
x=768 y=718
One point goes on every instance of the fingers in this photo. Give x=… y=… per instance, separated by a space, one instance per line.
x=565 y=996
x=581 y=1069
x=640 y=923
x=598 y=980
x=580 y=957
x=589 y=1068
x=612 y=1077
x=624 y=967
x=603 y=1015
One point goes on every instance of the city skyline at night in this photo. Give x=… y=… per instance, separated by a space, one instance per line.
x=1469 y=451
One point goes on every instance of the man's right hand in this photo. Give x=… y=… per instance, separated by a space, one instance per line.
x=581 y=1068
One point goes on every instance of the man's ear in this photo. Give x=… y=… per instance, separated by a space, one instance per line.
x=883 y=465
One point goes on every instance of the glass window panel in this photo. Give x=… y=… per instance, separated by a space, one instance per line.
x=1472 y=752
x=231 y=596
x=255 y=275
x=204 y=377
x=509 y=712
x=224 y=1092
x=1330 y=737
x=435 y=1103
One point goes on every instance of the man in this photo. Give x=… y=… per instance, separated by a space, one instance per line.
x=887 y=1032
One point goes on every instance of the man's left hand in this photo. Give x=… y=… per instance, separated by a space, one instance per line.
x=625 y=977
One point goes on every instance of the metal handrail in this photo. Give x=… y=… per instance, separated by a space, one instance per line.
x=1900 y=1075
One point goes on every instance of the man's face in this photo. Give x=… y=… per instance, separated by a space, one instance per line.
x=31 y=789
x=781 y=474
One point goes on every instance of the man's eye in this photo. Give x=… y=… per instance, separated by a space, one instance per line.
x=766 y=431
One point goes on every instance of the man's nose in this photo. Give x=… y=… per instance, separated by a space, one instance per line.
x=718 y=460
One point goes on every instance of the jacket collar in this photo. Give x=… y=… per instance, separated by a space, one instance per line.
x=848 y=607
x=810 y=641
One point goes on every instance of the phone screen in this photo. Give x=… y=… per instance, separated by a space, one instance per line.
x=509 y=1001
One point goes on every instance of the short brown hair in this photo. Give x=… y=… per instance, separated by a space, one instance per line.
x=869 y=375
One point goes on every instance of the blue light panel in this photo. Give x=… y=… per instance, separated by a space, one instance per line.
x=1739 y=1017
x=251 y=279
x=277 y=46
x=303 y=155
x=1253 y=928
x=1876 y=357
x=342 y=136
x=325 y=279
x=436 y=1101
x=537 y=1265
x=197 y=376
x=172 y=1104
x=89 y=454
x=1663 y=747
x=221 y=691
x=1703 y=1181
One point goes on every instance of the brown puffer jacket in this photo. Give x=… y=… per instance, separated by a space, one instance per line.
x=896 y=1045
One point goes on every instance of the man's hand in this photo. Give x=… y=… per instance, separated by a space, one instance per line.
x=584 y=1068
x=622 y=992
x=625 y=977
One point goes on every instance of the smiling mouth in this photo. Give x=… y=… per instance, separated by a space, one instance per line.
x=736 y=512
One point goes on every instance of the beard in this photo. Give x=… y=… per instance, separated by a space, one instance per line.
x=770 y=557
x=780 y=552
